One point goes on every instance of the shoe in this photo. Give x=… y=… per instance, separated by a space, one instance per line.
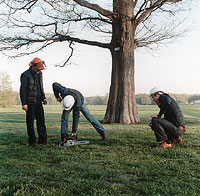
x=64 y=140
x=104 y=137
x=72 y=136
x=32 y=145
x=176 y=141
x=43 y=143
x=62 y=144
x=164 y=145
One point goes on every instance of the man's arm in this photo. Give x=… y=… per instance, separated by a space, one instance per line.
x=23 y=87
x=55 y=90
x=165 y=103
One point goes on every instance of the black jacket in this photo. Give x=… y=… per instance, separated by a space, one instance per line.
x=31 y=89
x=61 y=91
x=171 y=110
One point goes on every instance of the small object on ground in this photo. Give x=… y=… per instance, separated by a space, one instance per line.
x=73 y=143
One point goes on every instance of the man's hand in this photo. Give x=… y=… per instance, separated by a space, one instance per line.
x=25 y=107
x=150 y=124
x=154 y=116
x=44 y=102
x=182 y=128
x=59 y=99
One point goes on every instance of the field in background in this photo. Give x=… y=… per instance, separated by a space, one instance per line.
x=126 y=164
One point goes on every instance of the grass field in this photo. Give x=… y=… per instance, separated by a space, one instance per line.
x=126 y=164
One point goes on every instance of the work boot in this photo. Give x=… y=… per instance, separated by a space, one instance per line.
x=32 y=145
x=103 y=136
x=43 y=142
x=176 y=141
x=72 y=136
x=64 y=140
x=164 y=145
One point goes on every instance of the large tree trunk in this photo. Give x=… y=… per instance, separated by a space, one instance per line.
x=121 y=106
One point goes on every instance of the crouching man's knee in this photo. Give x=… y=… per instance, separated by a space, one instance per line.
x=153 y=122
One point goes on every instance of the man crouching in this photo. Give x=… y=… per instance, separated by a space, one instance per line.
x=168 y=129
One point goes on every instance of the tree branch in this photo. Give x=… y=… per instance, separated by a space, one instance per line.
x=81 y=41
x=28 y=6
x=96 y=8
x=71 y=54
x=16 y=43
x=80 y=18
x=147 y=11
x=162 y=35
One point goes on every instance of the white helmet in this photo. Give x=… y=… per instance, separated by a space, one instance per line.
x=68 y=102
x=154 y=90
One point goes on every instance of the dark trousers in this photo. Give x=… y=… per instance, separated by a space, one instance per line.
x=36 y=112
x=165 y=130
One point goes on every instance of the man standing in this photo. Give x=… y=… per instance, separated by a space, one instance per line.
x=73 y=100
x=168 y=129
x=32 y=96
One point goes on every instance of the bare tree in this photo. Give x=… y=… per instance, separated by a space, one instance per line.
x=6 y=93
x=32 y=25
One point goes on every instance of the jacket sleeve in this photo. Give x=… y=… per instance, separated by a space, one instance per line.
x=164 y=105
x=42 y=86
x=23 y=88
x=59 y=90
x=55 y=89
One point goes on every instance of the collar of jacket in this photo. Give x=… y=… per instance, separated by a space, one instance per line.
x=34 y=72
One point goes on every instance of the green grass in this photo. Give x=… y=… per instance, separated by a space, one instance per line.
x=126 y=164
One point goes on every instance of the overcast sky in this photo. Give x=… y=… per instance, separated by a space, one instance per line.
x=174 y=69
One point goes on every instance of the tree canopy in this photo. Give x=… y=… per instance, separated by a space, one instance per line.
x=25 y=23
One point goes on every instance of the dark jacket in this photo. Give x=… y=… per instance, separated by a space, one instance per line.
x=61 y=91
x=171 y=110
x=31 y=89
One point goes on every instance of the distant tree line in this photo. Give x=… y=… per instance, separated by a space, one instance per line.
x=97 y=100
x=10 y=98
x=7 y=96
x=145 y=99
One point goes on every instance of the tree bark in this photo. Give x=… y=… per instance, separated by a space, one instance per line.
x=121 y=106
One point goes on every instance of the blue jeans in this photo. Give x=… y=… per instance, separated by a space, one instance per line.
x=76 y=115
